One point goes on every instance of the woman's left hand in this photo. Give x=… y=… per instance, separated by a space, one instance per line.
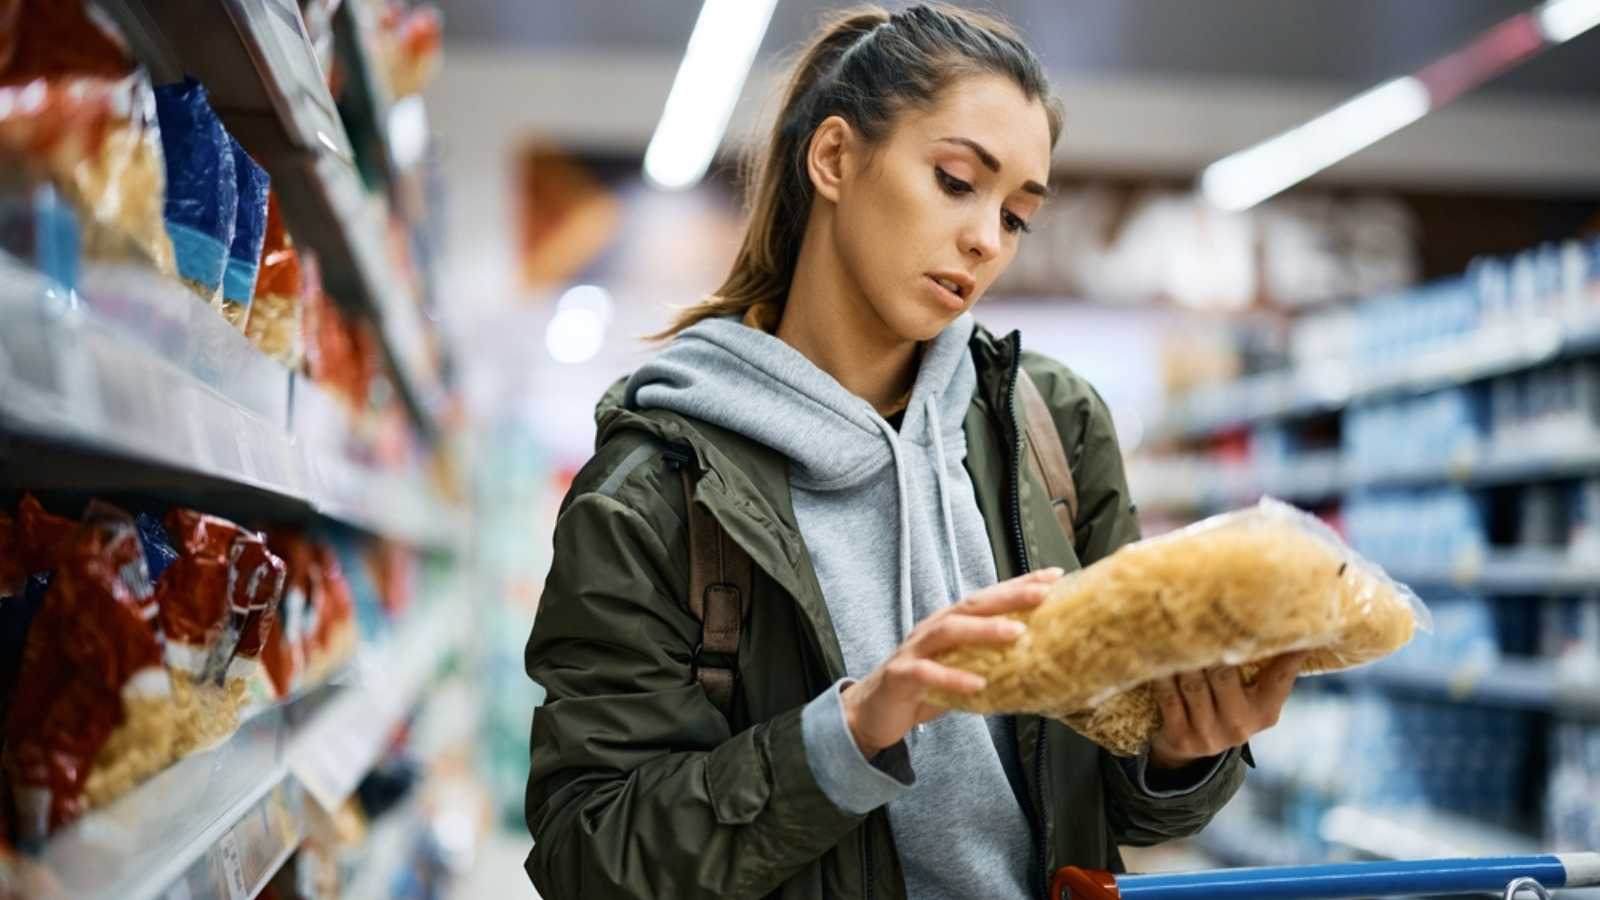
x=1207 y=713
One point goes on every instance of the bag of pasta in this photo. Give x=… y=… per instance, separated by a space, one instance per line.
x=1236 y=589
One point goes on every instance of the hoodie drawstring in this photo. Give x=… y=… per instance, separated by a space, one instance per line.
x=942 y=479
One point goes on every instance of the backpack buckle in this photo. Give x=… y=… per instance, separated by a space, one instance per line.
x=704 y=659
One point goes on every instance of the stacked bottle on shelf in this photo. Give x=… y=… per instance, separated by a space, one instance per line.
x=1572 y=819
x=1555 y=284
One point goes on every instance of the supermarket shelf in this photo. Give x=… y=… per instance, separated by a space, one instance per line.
x=1517 y=683
x=138 y=370
x=1198 y=484
x=265 y=82
x=218 y=824
x=1419 y=834
x=1311 y=390
x=1506 y=572
x=346 y=739
x=354 y=32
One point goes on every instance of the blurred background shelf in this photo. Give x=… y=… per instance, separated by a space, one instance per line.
x=1498 y=349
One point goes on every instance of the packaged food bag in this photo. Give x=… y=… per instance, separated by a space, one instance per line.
x=215 y=600
x=91 y=138
x=90 y=715
x=202 y=202
x=54 y=38
x=1236 y=589
x=249 y=236
x=274 y=324
x=332 y=638
x=285 y=653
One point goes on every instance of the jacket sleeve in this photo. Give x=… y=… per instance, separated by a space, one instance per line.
x=637 y=788
x=1107 y=520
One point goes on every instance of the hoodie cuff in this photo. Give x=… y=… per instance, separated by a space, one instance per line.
x=852 y=782
x=1138 y=769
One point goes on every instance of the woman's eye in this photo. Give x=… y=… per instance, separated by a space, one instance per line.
x=1014 y=223
x=951 y=184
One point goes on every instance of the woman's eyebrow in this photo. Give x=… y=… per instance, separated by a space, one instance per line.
x=992 y=163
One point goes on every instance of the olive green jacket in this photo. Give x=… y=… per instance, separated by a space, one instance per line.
x=641 y=789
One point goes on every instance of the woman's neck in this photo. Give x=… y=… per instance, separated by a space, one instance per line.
x=831 y=324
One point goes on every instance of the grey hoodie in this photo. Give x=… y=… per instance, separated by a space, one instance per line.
x=894 y=532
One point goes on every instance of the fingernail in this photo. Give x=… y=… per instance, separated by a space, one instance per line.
x=1016 y=629
x=978 y=682
x=1055 y=571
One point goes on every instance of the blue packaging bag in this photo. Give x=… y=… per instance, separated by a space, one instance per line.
x=250 y=228
x=202 y=191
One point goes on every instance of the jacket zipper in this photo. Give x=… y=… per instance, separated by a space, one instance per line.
x=1020 y=547
x=866 y=856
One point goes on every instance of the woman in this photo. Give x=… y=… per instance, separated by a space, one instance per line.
x=853 y=432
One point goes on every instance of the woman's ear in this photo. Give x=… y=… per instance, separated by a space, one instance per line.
x=827 y=156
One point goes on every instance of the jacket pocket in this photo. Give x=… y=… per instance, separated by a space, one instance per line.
x=738 y=790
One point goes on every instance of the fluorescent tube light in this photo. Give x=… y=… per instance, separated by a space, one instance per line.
x=1248 y=177
x=721 y=49
x=1563 y=20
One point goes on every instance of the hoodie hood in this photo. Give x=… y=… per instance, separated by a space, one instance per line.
x=749 y=382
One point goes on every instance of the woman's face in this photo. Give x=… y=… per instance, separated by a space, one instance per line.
x=927 y=219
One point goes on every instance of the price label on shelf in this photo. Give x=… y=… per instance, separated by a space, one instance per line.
x=232 y=868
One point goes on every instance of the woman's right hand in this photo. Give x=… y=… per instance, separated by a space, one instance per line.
x=881 y=708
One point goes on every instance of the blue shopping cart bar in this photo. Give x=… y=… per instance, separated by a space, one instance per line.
x=1334 y=881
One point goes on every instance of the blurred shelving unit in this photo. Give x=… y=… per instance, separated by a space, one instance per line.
x=1524 y=588
x=130 y=384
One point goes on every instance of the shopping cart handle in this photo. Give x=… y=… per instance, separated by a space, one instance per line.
x=1334 y=881
x=1073 y=883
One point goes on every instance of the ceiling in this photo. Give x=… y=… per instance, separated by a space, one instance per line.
x=1313 y=42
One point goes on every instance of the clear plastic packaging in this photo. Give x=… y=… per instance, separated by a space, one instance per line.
x=1237 y=589
x=249 y=235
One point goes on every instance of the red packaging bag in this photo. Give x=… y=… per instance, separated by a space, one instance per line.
x=285 y=654
x=255 y=590
x=333 y=638
x=215 y=600
x=86 y=721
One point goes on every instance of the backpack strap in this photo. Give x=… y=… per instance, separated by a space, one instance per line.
x=720 y=574
x=1046 y=456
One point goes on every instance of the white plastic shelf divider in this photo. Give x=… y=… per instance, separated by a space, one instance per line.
x=216 y=825
x=1495 y=349
x=137 y=368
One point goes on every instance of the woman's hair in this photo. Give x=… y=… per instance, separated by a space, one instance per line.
x=866 y=67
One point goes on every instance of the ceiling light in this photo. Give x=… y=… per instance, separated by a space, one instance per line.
x=1248 y=177
x=577 y=331
x=1563 y=20
x=722 y=47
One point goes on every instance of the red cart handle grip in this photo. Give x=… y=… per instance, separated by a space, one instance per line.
x=1073 y=883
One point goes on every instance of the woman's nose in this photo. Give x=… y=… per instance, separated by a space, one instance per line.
x=981 y=238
